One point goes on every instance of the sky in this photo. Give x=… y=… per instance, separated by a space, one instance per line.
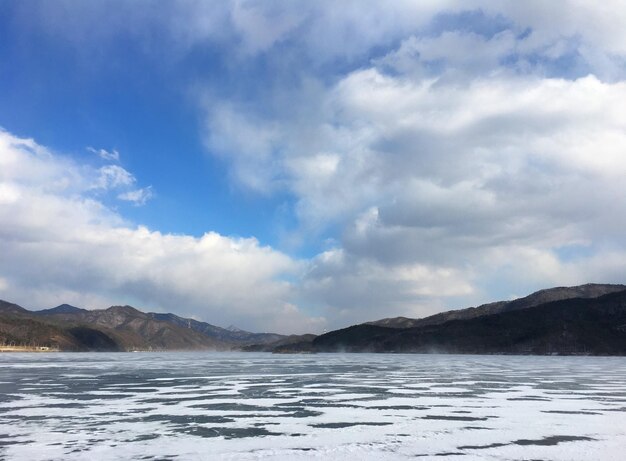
x=297 y=166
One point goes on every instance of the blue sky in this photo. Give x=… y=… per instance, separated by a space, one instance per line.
x=292 y=166
x=125 y=99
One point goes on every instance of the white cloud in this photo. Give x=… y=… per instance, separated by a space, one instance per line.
x=461 y=52
x=452 y=181
x=112 y=177
x=598 y=25
x=138 y=197
x=323 y=32
x=250 y=144
x=116 y=178
x=111 y=156
x=58 y=246
x=352 y=289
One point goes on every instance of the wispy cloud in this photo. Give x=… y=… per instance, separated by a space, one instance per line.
x=138 y=197
x=112 y=155
x=112 y=177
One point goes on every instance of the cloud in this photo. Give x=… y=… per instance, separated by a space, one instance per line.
x=466 y=161
x=598 y=27
x=59 y=244
x=352 y=289
x=138 y=197
x=249 y=144
x=322 y=33
x=497 y=173
x=112 y=156
x=113 y=177
x=454 y=151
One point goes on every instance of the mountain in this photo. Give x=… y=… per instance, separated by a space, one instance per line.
x=586 y=319
x=572 y=325
x=590 y=290
x=10 y=308
x=117 y=328
x=285 y=344
x=21 y=327
x=228 y=335
x=62 y=309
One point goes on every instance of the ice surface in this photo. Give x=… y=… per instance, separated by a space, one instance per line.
x=211 y=406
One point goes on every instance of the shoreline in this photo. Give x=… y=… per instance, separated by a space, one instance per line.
x=28 y=349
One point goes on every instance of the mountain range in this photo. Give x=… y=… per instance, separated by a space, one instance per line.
x=590 y=290
x=586 y=319
x=118 y=328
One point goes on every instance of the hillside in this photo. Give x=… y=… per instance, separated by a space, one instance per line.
x=118 y=328
x=583 y=325
x=226 y=335
x=587 y=319
x=287 y=343
x=590 y=290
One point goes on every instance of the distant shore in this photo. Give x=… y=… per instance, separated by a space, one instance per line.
x=28 y=349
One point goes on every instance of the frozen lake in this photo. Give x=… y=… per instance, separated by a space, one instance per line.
x=211 y=406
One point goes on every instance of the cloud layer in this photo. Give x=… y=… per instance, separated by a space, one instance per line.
x=448 y=153
x=476 y=155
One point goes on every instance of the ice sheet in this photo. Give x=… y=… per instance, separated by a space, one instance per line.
x=327 y=406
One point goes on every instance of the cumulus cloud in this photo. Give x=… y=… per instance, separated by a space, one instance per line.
x=60 y=245
x=352 y=289
x=484 y=160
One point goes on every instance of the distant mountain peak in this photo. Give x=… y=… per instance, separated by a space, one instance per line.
x=125 y=309
x=10 y=308
x=234 y=329
x=62 y=309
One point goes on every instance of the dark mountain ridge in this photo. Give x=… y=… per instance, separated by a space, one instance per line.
x=10 y=308
x=580 y=325
x=301 y=342
x=589 y=290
